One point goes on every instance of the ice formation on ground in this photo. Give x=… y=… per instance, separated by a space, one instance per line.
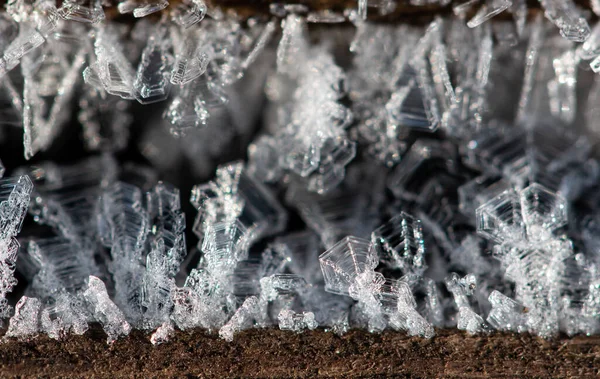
x=401 y=177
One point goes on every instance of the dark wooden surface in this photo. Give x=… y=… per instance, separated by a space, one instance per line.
x=274 y=353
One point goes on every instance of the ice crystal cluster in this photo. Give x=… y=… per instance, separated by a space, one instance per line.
x=361 y=175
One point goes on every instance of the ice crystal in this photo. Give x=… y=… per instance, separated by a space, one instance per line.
x=105 y=311
x=14 y=200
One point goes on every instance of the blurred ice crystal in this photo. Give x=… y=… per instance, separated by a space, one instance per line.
x=189 y=12
x=87 y=11
x=565 y=15
x=490 y=9
x=142 y=8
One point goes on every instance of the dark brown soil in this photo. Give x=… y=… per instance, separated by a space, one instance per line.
x=274 y=353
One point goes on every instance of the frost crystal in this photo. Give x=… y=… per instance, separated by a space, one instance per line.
x=297 y=322
x=401 y=243
x=25 y=324
x=461 y=288
x=105 y=311
x=14 y=200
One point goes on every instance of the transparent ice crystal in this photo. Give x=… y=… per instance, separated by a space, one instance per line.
x=400 y=243
x=105 y=311
x=163 y=333
x=532 y=255
x=241 y=319
x=461 y=288
x=344 y=262
x=67 y=314
x=405 y=315
x=14 y=201
x=297 y=322
x=25 y=324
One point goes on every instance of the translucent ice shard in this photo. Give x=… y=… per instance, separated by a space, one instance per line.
x=543 y=211
x=48 y=90
x=25 y=324
x=297 y=322
x=336 y=154
x=479 y=191
x=111 y=67
x=163 y=333
x=192 y=59
x=461 y=288
x=105 y=311
x=225 y=244
x=490 y=9
x=303 y=250
x=261 y=42
x=400 y=243
x=347 y=210
x=168 y=224
x=14 y=200
x=535 y=260
x=291 y=45
x=87 y=11
x=325 y=16
x=241 y=320
x=66 y=315
x=66 y=197
x=186 y=111
x=237 y=195
x=501 y=218
x=362 y=9
x=63 y=265
x=402 y=312
x=123 y=225
x=536 y=39
x=465 y=110
x=506 y=314
x=348 y=269
x=423 y=153
x=151 y=83
x=565 y=15
x=27 y=41
x=414 y=104
x=189 y=12
x=10 y=248
x=282 y=292
x=344 y=262
x=142 y=8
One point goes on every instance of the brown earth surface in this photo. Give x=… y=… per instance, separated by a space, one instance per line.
x=275 y=353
